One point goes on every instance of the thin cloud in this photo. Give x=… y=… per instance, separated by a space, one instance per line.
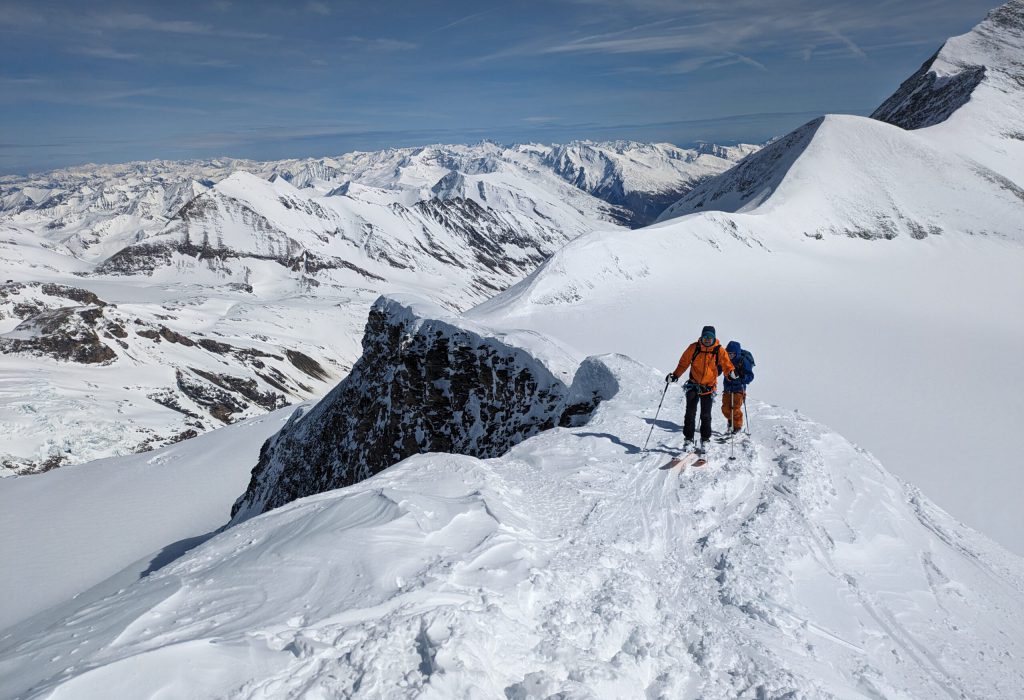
x=318 y=8
x=106 y=52
x=134 y=21
x=696 y=63
x=461 y=20
x=381 y=44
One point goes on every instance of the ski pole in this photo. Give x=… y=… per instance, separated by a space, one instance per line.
x=732 y=437
x=745 y=414
x=656 y=413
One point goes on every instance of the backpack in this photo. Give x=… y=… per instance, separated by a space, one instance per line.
x=747 y=370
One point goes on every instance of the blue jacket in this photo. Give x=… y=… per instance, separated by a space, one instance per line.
x=743 y=361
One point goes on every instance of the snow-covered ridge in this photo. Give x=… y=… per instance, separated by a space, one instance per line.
x=428 y=381
x=86 y=204
x=969 y=96
x=857 y=177
x=947 y=80
x=570 y=565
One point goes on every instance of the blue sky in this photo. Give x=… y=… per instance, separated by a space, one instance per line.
x=116 y=81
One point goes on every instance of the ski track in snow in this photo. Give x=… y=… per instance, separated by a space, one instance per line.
x=570 y=565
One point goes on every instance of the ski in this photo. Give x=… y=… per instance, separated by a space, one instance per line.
x=682 y=461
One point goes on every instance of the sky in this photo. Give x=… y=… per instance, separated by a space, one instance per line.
x=109 y=81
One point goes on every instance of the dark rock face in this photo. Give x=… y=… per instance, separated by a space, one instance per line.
x=67 y=333
x=422 y=385
x=488 y=236
x=924 y=99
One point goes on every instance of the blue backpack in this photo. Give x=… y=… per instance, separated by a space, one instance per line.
x=746 y=367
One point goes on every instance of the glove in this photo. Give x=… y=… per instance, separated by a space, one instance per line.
x=733 y=376
x=671 y=378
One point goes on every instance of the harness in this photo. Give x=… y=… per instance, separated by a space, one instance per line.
x=701 y=389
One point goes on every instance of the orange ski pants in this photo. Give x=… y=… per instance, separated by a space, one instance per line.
x=732 y=407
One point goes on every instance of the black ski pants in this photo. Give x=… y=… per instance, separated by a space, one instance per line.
x=706 y=401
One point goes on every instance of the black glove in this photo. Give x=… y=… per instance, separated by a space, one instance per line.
x=671 y=378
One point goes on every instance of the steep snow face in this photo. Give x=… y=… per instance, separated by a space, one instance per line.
x=969 y=96
x=858 y=177
x=571 y=566
x=427 y=382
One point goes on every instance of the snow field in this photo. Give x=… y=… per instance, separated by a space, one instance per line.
x=67 y=530
x=570 y=565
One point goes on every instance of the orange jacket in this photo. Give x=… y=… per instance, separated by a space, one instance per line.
x=701 y=361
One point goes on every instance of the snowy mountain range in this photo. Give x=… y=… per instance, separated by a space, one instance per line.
x=470 y=512
x=150 y=302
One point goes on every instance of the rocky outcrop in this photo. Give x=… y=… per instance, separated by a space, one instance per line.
x=426 y=382
x=925 y=99
x=67 y=333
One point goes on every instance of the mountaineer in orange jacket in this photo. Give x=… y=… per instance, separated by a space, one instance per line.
x=706 y=359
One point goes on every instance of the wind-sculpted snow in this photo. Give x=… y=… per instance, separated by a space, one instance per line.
x=569 y=567
x=427 y=381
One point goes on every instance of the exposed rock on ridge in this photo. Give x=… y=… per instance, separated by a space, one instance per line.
x=925 y=99
x=427 y=382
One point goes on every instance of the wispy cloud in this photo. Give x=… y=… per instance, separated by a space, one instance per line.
x=135 y=21
x=106 y=52
x=317 y=7
x=689 y=65
x=381 y=44
x=460 y=21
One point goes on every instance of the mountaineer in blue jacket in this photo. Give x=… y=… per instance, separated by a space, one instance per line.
x=736 y=388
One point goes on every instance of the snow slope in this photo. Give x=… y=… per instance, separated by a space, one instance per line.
x=69 y=530
x=875 y=274
x=570 y=566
